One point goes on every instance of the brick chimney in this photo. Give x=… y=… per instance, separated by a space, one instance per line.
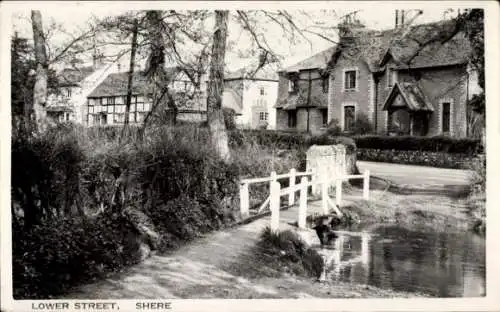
x=400 y=19
x=348 y=28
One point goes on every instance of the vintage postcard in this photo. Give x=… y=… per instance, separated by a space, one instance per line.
x=249 y=156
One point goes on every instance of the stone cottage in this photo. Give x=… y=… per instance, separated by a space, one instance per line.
x=387 y=79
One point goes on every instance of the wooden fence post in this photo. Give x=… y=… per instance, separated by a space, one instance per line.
x=274 y=205
x=324 y=196
x=314 y=180
x=338 y=191
x=244 y=201
x=365 y=248
x=303 y=203
x=291 y=184
x=366 y=185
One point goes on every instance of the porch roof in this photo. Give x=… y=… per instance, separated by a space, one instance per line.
x=412 y=95
x=294 y=101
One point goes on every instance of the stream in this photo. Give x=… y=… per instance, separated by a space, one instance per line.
x=390 y=257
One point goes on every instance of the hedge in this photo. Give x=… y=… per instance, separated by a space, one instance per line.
x=425 y=158
x=295 y=140
x=429 y=144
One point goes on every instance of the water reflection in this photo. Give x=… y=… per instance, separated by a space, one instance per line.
x=439 y=264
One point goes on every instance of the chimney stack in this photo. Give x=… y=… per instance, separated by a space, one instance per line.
x=396 y=24
x=402 y=18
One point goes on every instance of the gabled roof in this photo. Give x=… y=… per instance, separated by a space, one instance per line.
x=412 y=95
x=453 y=52
x=73 y=76
x=116 y=84
x=375 y=48
x=318 y=60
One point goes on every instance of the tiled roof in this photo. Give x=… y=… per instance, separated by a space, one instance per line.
x=455 y=51
x=373 y=46
x=116 y=84
x=318 y=60
x=414 y=97
x=72 y=76
x=296 y=100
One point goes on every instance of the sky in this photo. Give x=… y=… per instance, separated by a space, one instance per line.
x=375 y=15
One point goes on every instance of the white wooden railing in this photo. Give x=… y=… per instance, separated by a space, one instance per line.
x=276 y=192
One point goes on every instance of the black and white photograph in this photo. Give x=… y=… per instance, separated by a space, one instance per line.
x=164 y=152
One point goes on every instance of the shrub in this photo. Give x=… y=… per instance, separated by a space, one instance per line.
x=362 y=124
x=49 y=258
x=333 y=128
x=410 y=143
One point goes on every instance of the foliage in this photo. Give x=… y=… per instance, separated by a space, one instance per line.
x=45 y=173
x=49 y=258
x=424 y=158
x=333 y=127
x=362 y=125
x=172 y=183
x=292 y=252
x=22 y=80
x=229 y=116
x=413 y=143
x=287 y=140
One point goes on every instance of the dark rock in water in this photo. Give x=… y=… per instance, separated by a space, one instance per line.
x=325 y=234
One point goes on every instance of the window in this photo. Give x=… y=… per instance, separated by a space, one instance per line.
x=68 y=92
x=350 y=80
x=292 y=86
x=445 y=117
x=349 y=117
x=292 y=119
x=391 y=78
x=262 y=91
x=324 y=117
x=111 y=101
x=325 y=84
x=263 y=116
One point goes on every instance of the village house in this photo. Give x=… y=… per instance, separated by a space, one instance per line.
x=106 y=104
x=383 y=77
x=74 y=85
x=251 y=98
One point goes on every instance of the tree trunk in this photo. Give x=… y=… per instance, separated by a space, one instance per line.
x=156 y=68
x=40 y=89
x=130 y=76
x=215 y=116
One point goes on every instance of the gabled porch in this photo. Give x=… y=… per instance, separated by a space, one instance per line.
x=408 y=110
